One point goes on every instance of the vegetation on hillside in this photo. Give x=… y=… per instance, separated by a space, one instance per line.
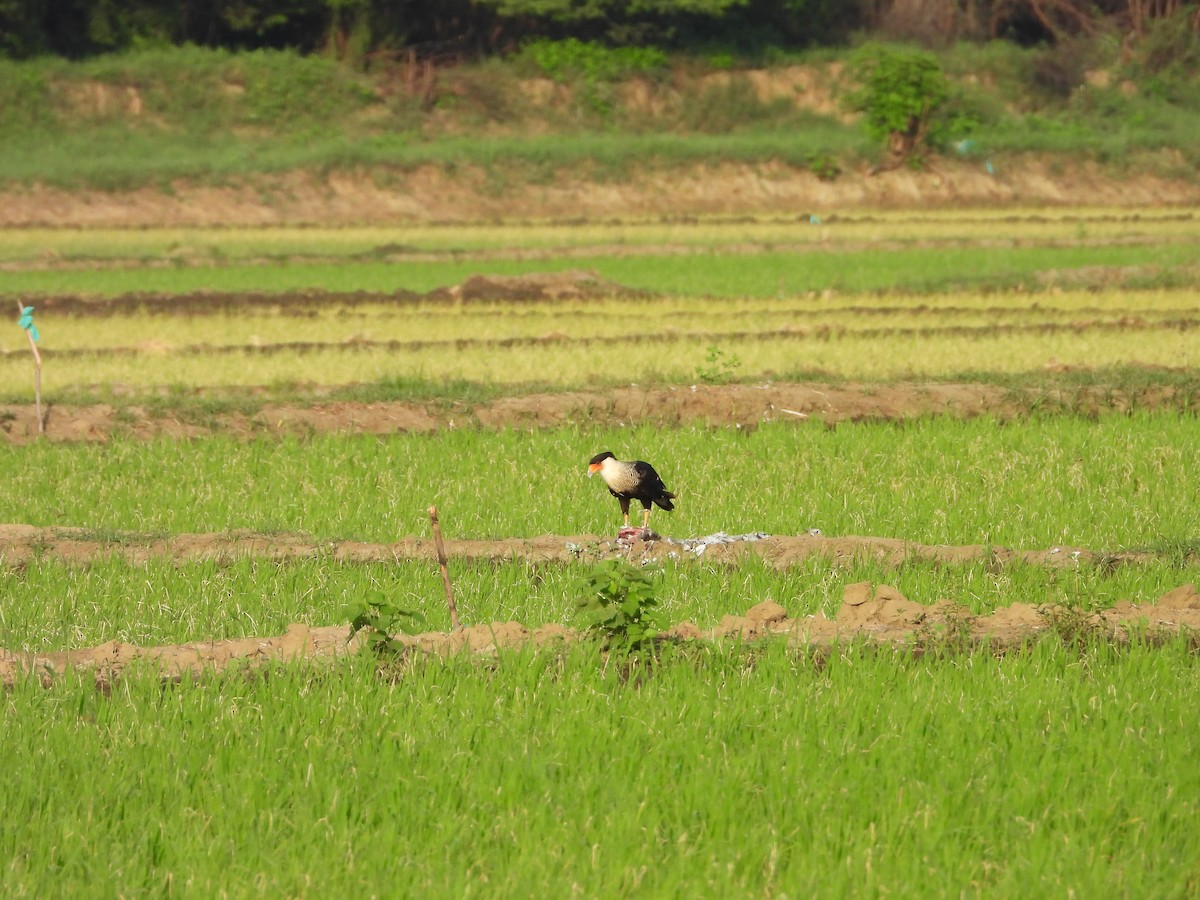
x=154 y=115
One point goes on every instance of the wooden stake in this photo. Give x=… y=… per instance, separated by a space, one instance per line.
x=37 y=373
x=441 y=554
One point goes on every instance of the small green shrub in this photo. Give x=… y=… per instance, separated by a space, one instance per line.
x=1170 y=44
x=1166 y=59
x=730 y=107
x=618 y=602
x=824 y=166
x=722 y=62
x=592 y=62
x=1075 y=626
x=899 y=91
x=1057 y=72
x=719 y=368
x=25 y=98
x=382 y=619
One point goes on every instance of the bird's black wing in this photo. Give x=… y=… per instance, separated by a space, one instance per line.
x=649 y=484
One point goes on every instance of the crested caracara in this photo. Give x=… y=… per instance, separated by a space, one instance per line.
x=632 y=481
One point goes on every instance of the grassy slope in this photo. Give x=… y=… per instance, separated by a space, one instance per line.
x=148 y=118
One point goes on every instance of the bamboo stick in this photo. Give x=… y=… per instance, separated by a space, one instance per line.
x=441 y=554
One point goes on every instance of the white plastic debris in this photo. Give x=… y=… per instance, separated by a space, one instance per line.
x=698 y=545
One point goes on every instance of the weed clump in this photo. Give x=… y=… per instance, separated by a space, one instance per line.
x=618 y=604
x=382 y=619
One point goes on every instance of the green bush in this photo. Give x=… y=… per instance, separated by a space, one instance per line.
x=618 y=602
x=899 y=91
x=381 y=618
x=592 y=62
x=195 y=90
x=24 y=96
x=1168 y=57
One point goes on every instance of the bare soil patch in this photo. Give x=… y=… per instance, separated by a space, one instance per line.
x=21 y=545
x=737 y=405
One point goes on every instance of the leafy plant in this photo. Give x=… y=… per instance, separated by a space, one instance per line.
x=591 y=61
x=721 y=61
x=1075 y=625
x=381 y=618
x=899 y=91
x=720 y=368
x=619 y=603
x=824 y=166
x=593 y=67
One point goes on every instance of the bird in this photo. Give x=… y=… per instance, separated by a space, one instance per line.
x=632 y=481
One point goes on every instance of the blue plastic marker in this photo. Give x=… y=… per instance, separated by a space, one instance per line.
x=26 y=322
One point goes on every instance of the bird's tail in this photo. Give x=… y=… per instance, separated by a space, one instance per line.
x=665 y=500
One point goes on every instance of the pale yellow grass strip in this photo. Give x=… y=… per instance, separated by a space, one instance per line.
x=238 y=243
x=851 y=357
x=600 y=319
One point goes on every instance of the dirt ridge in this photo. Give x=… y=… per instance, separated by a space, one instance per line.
x=876 y=613
x=22 y=545
x=737 y=405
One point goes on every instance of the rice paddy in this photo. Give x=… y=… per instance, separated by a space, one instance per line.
x=874 y=298
x=722 y=774
x=723 y=769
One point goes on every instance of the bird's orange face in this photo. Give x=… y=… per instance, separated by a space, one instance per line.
x=593 y=469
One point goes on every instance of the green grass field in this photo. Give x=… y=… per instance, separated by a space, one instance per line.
x=1006 y=226
x=57 y=605
x=722 y=773
x=1060 y=768
x=1117 y=483
x=158 y=115
x=716 y=274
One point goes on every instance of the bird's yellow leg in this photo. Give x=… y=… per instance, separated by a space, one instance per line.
x=645 y=518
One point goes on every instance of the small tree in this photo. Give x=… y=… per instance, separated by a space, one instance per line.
x=899 y=91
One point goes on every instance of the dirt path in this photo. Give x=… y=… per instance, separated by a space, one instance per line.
x=742 y=405
x=21 y=545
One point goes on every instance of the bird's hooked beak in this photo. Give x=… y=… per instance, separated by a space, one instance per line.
x=593 y=469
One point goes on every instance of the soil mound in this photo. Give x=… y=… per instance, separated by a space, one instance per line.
x=577 y=284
